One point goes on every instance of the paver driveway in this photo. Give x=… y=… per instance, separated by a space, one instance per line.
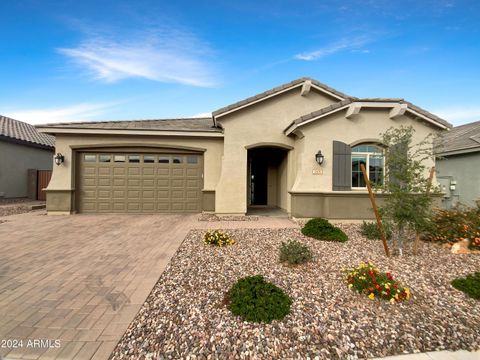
x=79 y=279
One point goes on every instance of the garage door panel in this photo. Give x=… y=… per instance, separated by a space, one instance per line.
x=163 y=194
x=149 y=171
x=132 y=171
x=192 y=206
x=119 y=206
x=133 y=206
x=163 y=172
x=90 y=182
x=89 y=206
x=178 y=172
x=104 y=194
x=163 y=183
x=193 y=172
x=119 y=194
x=148 y=182
x=163 y=206
x=104 y=206
x=119 y=171
x=89 y=170
x=192 y=195
x=134 y=182
x=139 y=183
x=104 y=181
x=178 y=206
x=148 y=207
x=192 y=183
x=177 y=183
x=133 y=194
x=104 y=171
x=177 y=194
x=119 y=182
x=148 y=194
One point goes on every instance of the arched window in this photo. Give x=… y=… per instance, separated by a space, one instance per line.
x=371 y=156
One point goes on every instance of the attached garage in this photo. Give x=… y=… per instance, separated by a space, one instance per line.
x=139 y=182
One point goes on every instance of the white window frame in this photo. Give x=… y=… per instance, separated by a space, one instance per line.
x=367 y=165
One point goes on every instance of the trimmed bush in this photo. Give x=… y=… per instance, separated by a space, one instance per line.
x=217 y=238
x=321 y=229
x=369 y=280
x=294 y=252
x=254 y=299
x=470 y=285
x=370 y=231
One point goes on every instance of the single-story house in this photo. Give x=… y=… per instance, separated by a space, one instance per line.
x=23 y=151
x=296 y=147
x=458 y=165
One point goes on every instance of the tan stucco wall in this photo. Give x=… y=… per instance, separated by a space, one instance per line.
x=319 y=135
x=63 y=177
x=261 y=123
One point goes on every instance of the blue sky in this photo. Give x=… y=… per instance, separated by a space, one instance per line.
x=108 y=60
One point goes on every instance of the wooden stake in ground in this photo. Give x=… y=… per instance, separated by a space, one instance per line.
x=375 y=210
x=427 y=191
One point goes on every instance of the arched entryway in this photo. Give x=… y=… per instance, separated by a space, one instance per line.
x=267 y=178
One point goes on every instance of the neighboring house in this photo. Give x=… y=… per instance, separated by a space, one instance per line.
x=261 y=151
x=458 y=165
x=22 y=148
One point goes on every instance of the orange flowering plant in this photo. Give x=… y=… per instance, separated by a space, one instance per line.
x=367 y=279
x=456 y=224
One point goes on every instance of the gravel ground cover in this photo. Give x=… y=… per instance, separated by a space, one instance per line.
x=7 y=210
x=213 y=217
x=185 y=315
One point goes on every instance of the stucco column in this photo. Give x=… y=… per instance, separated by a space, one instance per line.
x=231 y=191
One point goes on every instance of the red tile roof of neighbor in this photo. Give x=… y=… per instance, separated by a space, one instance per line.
x=25 y=133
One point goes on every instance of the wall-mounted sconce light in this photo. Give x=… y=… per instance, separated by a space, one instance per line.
x=59 y=159
x=319 y=158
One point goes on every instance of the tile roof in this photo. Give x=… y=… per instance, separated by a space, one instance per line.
x=340 y=104
x=24 y=132
x=276 y=90
x=463 y=138
x=180 y=124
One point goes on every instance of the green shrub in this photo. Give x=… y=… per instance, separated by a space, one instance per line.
x=369 y=280
x=294 y=252
x=217 y=238
x=254 y=299
x=321 y=229
x=453 y=225
x=370 y=231
x=470 y=285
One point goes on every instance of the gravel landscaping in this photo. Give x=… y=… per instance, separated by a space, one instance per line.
x=213 y=217
x=185 y=315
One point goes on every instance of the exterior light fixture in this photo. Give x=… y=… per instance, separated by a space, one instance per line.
x=319 y=158
x=59 y=159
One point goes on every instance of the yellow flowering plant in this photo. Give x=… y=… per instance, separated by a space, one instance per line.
x=217 y=238
x=367 y=279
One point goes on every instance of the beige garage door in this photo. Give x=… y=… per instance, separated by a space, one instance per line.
x=139 y=183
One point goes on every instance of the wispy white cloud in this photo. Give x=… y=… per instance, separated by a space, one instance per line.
x=165 y=55
x=76 y=112
x=353 y=44
x=459 y=115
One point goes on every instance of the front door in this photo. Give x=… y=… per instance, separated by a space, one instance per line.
x=259 y=182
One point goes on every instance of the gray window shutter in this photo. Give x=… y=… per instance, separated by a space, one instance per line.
x=342 y=166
